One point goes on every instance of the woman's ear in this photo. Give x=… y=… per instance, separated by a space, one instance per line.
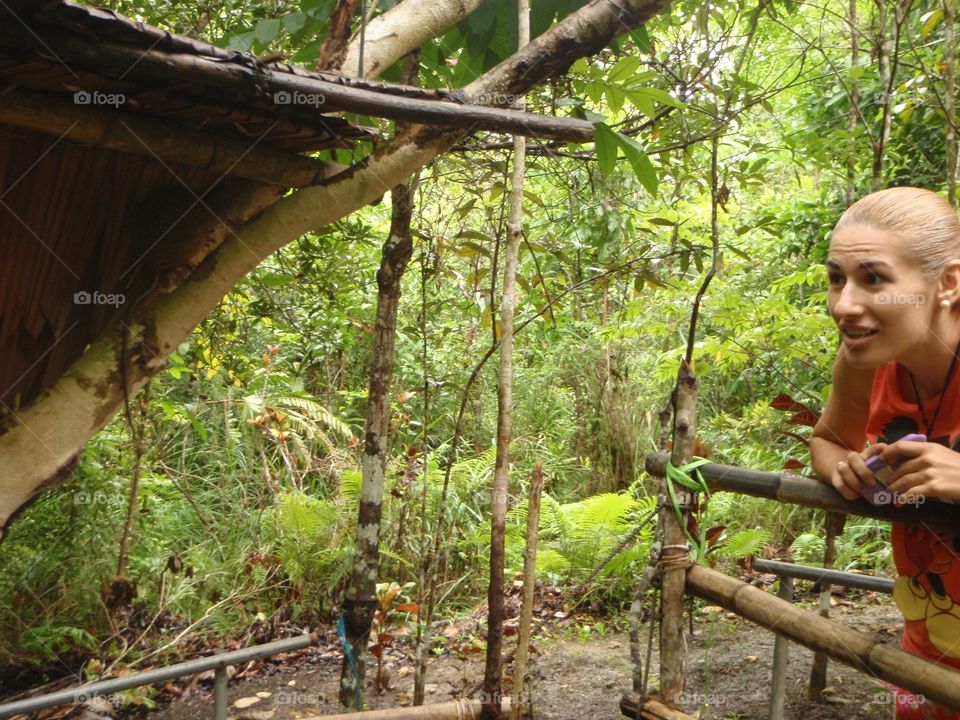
x=949 y=286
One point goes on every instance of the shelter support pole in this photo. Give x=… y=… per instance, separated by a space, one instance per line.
x=674 y=553
x=935 y=682
x=781 y=656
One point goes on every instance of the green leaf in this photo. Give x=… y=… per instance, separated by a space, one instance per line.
x=606 y=143
x=266 y=31
x=640 y=163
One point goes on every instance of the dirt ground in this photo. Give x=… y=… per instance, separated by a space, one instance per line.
x=580 y=674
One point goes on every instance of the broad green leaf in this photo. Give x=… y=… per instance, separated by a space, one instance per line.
x=606 y=143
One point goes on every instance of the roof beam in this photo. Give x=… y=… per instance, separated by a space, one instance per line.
x=256 y=82
x=138 y=135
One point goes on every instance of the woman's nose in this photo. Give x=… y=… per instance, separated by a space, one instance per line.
x=848 y=302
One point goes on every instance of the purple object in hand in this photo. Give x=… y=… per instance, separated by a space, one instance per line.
x=878 y=494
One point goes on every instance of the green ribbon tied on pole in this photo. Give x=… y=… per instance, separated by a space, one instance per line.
x=688 y=476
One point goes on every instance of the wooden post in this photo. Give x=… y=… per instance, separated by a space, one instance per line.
x=781 y=653
x=818 y=673
x=673 y=644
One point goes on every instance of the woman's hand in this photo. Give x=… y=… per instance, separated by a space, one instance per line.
x=851 y=474
x=925 y=469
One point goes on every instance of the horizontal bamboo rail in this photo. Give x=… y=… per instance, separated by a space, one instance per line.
x=790 y=488
x=815 y=574
x=134 y=134
x=856 y=649
x=453 y=710
x=633 y=706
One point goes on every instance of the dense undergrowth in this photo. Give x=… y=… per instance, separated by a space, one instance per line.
x=249 y=478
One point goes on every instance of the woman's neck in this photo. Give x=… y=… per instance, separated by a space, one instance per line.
x=929 y=367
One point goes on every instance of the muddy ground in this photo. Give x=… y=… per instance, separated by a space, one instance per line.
x=580 y=674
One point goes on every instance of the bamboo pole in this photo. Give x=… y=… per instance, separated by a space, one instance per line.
x=818 y=672
x=856 y=649
x=256 y=84
x=529 y=585
x=673 y=645
x=633 y=706
x=138 y=135
x=789 y=488
x=453 y=710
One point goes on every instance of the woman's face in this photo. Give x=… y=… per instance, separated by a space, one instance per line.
x=879 y=299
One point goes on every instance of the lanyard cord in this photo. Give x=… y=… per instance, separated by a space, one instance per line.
x=943 y=393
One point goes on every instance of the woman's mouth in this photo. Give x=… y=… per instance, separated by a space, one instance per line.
x=856 y=338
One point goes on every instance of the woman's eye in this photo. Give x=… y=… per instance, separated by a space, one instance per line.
x=835 y=279
x=875 y=279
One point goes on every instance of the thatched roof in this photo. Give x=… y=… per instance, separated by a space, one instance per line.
x=106 y=122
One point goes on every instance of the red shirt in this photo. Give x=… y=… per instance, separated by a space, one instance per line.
x=927 y=589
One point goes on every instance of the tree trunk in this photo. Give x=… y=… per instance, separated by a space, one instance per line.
x=360 y=604
x=492 y=678
x=529 y=585
x=854 y=101
x=39 y=445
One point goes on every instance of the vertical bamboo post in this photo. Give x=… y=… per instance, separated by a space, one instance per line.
x=818 y=673
x=529 y=585
x=781 y=653
x=673 y=644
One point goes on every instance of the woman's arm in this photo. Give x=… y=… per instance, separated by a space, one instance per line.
x=839 y=437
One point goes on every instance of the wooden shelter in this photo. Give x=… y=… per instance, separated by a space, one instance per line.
x=112 y=132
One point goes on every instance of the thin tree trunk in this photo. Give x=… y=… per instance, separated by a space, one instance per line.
x=529 y=585
x=360 y=603
x=949 y=104
x=854 y=101
x=492 y=679
x=888 y=47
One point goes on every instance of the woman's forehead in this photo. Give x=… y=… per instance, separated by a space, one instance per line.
x=867 y=245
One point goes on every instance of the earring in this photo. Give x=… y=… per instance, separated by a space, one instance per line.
x=945 y=303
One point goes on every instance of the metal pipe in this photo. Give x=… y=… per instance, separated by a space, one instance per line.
x=834 y=577
x=220 y=693
x=781 y=655
x=149 y=677
x=790 y=488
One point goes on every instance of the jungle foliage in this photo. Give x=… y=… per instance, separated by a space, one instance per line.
x=251 y=437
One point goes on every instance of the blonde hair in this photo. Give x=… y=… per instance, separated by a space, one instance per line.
x=923 y=220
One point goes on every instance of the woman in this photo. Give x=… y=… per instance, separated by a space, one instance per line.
x=894 y=292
